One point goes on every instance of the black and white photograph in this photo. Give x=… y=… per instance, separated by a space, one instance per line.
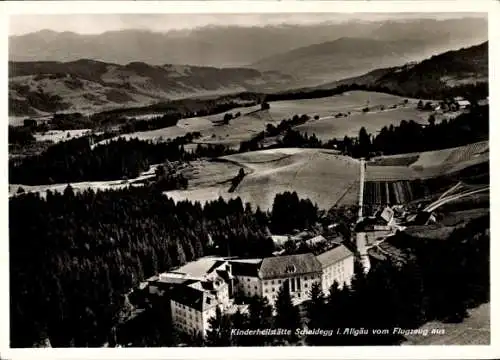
x=248 y=179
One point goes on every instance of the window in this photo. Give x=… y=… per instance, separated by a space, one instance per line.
x=255 y=287
x=279 y=281
x=298 y=294
x=272 y=282
x=305 y=285
x=273 y=289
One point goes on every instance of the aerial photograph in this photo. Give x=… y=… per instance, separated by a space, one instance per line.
x=248 y=180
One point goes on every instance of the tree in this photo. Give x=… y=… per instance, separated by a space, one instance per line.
x=260 y=317
x=364 y=142
x=420 y=105
x=239 y=322
x=316 y=310
x=219 y=332
x=227 y=118
x=432 y=120
x=287 y=315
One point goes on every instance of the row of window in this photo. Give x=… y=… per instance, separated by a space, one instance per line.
x=187 y=329
x=180 y=306
x=279 y=281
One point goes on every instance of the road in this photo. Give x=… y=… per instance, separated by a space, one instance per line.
x=446 y=199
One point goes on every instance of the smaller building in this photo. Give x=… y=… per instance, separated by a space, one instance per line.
x=463 y=104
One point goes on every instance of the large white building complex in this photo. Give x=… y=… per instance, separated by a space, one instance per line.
x=196 y=289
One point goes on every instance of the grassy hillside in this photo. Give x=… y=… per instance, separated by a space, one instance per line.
x=90 y=86
x=436 y=75
x=349 y=56
x=270 y=172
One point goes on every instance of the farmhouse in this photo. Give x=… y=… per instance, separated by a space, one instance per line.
x=463 y=104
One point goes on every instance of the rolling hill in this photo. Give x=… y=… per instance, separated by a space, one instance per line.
x=446 y=70
x=89 y=85
x=348 y=56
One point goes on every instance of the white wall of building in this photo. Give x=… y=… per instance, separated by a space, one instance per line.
x=299 y=285
x=186 y=319
x=341 y=271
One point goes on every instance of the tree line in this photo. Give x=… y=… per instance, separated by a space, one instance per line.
x=79 y=160
x=409 y=136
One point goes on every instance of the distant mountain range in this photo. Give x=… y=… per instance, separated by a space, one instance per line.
x=39 y=87
x=226 y=46
x=449 y=69
x=90 y=86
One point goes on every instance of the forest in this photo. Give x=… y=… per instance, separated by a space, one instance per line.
x=77 y=160
x=71 y=253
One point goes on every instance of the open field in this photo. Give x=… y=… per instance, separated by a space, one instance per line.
x=59 y=135
x=351 y=101
x=329 y=127
x=403 y=178
x=253 y=120
x=427 y=164
x=475 y=330
x=270 y=172
x=239 y=129
x=81 y=186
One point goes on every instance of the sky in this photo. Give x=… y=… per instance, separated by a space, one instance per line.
x=99 y=23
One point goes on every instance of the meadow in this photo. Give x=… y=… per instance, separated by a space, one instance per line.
x=270 y=172
x=400 y=179
x=253 y=120
x=474 y=330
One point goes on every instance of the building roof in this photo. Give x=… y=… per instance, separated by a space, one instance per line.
x=241 y=268
x=200 y=267
x=189 y=296
x=463 y=102
x=283 y=266
x=316 y=239
x=334 y=255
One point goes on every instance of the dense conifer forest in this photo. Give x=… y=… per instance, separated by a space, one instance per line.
x=74 y=255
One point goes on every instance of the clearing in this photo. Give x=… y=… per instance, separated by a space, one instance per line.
x=270 y=172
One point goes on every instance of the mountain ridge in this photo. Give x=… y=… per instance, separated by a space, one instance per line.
x=225 y=45
x=88 y=85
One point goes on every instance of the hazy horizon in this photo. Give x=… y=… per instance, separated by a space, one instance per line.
x=93 y=24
